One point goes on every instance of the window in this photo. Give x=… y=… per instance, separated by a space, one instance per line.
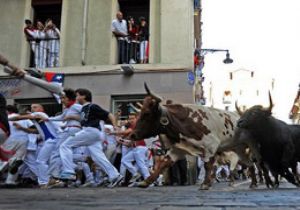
x=42 y=10
x=135 y=8
x=134 y=48
x=126 y=104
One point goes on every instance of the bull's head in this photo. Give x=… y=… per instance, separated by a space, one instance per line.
x=148 y=123
x=254 y=116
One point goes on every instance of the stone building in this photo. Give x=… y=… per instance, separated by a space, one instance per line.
x=88 y=50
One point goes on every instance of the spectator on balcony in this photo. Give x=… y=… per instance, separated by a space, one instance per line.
x=40 y=54
x=52 y=38
x=133 y=38
x=119 y=29
x=144 y=37
x=29 y=31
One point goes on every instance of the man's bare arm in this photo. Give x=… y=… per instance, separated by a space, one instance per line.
x=22 y=117
x=27 y=130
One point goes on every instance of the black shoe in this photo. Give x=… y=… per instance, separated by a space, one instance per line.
x=13 y=168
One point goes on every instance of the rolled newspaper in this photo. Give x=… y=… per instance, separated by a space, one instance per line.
x=18 y=72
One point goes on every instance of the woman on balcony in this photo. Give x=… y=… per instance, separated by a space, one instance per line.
x=144 y=37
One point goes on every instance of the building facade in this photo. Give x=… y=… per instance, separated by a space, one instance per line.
x=88 y=49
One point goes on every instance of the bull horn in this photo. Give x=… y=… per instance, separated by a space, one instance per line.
x=147 y=88
x=239 y=111
x=158 y=98
x=271 y=103
x=139 y=105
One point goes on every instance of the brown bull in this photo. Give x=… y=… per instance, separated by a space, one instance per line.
x=185 y=129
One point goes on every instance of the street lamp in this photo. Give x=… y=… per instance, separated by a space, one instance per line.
x=227 y=60
x=198 y=87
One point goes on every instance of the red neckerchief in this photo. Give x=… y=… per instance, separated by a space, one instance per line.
x=70 y=104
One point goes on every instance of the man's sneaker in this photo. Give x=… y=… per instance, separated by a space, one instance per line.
x=52 y=182
x=89 y=184
x=133 y=184
x=43 y=186
x=104 y=183
x=72 y=184
x=13 y=168
x=68 y=176
x=59 y=184
x=115 y=182
x=135 y=178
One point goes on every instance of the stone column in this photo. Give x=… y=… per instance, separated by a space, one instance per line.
x=13 y=43
x=155 y=31
x=177 y=32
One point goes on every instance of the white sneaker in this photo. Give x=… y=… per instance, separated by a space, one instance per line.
x=132 y=61
x=89 y=184
x=59 y=184
x=134 y=184
x=135 y=178
x=115 y=182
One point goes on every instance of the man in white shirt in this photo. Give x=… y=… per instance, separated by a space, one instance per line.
x=16 y=142
x=71 y=117
x=119 y=29
x=52 y=36
x=49 y=133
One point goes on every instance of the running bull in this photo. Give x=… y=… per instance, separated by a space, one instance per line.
x=184 y=129
x=275 y=139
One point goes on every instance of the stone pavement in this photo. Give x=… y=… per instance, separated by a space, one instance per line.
x=221 y=197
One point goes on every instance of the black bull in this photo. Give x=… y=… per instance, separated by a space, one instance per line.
x=275 y=140
x=181 y=132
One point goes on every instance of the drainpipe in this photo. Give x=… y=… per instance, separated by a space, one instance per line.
x=84 y=32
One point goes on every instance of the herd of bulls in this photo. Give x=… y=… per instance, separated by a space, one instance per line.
x=255 y=136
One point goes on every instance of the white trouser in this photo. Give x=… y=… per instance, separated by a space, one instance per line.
x=201 y=169
x=220 y=168
x=17 y=145
x=43 y=160
x=55 y=165
x=29 y=168
x=53 y=53
x=89 y=137
x=143 y=48
x=40 y=54
x=139 y=155
x=124 y=151
x=111 y=152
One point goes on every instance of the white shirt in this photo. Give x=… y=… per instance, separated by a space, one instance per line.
x=50 y=126
x=17 y=133
x=120 y=27
x=111 y=139
x=74 y=110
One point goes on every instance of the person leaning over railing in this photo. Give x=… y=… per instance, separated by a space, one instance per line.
x=119 y=29
x=52 y=37
x=28 y=30
x=144 y=38
x=133 y=37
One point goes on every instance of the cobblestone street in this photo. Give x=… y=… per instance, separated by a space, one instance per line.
x=158 y=198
